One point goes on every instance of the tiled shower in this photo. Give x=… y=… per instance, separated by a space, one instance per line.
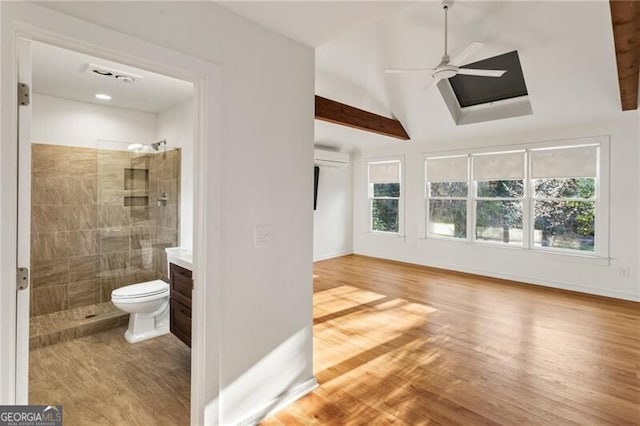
x=100 y=219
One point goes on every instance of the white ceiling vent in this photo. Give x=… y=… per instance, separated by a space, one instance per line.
x=119 y=75
x=330 y=158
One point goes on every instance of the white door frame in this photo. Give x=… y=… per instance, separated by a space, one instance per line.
x=74 y=34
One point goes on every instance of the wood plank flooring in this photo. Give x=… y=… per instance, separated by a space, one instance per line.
x=104 y=380
x=403 y=344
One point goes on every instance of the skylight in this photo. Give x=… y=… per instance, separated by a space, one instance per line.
x=472 y=90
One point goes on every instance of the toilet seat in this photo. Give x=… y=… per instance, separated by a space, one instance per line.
x=147 y=290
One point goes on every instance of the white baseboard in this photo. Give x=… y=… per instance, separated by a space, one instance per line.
x=523 y=279
x=332 y=255
x=279 y=403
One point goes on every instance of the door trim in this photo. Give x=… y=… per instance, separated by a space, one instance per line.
x=23 y=246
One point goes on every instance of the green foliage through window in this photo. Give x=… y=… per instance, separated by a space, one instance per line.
x=384 y=215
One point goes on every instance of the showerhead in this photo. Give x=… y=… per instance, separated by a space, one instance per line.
x=156 y=145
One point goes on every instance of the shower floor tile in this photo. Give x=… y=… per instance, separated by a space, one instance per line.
x=45 y=330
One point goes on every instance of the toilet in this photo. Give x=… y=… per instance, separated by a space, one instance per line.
x=148 y=306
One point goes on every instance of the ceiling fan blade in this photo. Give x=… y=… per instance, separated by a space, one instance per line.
x=407 y=70
x=467 y=53
x=481 y=73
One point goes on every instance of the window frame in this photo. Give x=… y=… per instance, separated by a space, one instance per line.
x=601 y=197
x=427 y=188
x=400 y=198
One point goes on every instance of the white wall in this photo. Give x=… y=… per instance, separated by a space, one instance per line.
x=333 y=218
x=265 y=309
x=176 y=126
x=568 y=272
x=60 y=121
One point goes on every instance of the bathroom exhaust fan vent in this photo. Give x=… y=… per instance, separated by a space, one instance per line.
x=103 y=71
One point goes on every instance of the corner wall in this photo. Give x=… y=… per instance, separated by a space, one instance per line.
x=553 y=270
x=333 y=218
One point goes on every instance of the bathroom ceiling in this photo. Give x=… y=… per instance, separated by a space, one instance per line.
x=63 y=73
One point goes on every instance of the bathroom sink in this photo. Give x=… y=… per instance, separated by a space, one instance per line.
x=180 y=256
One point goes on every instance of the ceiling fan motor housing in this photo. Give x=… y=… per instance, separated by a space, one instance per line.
x=445 y=71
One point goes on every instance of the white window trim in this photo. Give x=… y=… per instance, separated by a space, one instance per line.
x=601 y=226
x=427 y=198
x=401 y=210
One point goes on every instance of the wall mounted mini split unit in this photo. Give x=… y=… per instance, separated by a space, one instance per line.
x=330 y=158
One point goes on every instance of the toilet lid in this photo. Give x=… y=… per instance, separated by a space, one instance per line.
x=148 y=288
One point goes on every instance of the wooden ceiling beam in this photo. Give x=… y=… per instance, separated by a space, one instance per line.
x=625 y=18
x=345 y=115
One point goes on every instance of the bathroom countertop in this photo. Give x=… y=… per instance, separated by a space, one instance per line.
x=180 y=256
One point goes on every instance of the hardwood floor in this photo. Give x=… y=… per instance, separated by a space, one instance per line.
x=403 y=344
x=103 y=380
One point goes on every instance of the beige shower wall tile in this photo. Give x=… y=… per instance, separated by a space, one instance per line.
x=114 y=265
x=160 y=262
x=84 y=268
x=83 y=190
x=114 y=240
x=141 y=237
x=83 y=217
x=167 y=216
x=113 y=216
x=84 y=293
x=49 y=272
x=83 y=243
x=165 y=237
x=141 y=216
x=112 y=196
x=49 y=219
x=82 y=162
x=139 y=161
x=49 y=245
x=141 y=261
x=49 y=160
x=45 y=300
x=50 y=190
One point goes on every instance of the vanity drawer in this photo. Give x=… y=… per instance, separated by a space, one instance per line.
x=181 y=322
x=181 y=281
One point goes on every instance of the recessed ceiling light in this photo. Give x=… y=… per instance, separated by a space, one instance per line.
x=103 y=96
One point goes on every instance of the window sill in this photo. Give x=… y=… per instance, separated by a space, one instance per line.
x=546 y=254
x=386 y=234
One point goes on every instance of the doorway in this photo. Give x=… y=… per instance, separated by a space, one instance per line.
x=103 y=163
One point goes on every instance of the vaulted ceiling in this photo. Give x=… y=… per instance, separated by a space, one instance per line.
x=566 y=51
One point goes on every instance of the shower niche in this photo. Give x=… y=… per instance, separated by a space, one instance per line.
x=136 y=181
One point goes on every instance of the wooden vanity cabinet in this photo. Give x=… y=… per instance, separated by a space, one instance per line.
x=181 y=286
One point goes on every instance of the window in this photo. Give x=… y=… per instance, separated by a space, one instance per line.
x=499 y=198
x=538 y=198
x=564 y=197
x=447 y=194
x=384 y=196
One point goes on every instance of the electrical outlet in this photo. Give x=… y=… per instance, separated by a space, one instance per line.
x=263 y=236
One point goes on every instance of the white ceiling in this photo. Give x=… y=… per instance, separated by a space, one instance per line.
x=313 y=22
x=566 y=51
x=62 y=73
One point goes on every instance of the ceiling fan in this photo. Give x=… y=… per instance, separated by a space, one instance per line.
x=448 y=68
